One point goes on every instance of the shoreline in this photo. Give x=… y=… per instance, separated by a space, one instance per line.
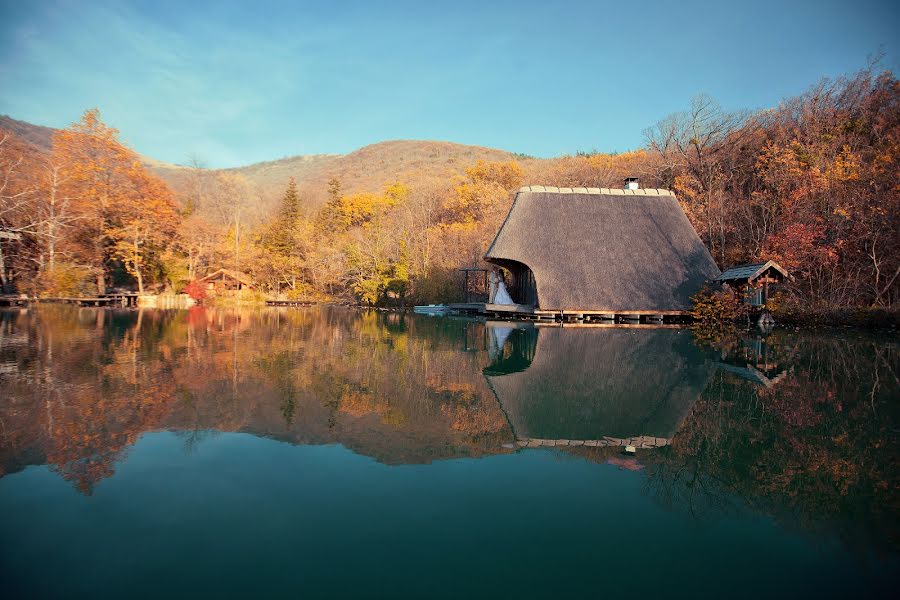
x=865 y=319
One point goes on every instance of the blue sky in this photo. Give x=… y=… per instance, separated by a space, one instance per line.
x=236 y=83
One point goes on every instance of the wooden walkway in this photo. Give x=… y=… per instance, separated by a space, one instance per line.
x=118 y=299
x=638 y=442
x=13 y=300
x=291 y=303
x=526 y=312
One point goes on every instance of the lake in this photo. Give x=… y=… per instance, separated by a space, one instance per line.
x=330 y=452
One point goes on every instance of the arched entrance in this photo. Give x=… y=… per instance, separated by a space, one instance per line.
x=519 y=281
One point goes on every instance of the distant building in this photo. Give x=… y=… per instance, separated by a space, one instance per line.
x=225 y=280
x=597 y=249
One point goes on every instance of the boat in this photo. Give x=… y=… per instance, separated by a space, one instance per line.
x=431 y=309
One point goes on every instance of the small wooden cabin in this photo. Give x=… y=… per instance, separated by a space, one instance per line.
x=225 y=280
x=752 y=281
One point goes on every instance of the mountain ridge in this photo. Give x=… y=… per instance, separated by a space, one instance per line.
x=366 y=169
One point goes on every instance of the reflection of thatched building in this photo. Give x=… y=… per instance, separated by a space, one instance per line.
x=601 y=250
x=587 y=384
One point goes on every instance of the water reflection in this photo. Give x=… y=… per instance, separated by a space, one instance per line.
x=801 y=427
x=580 y=384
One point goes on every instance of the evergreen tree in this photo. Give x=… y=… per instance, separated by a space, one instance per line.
x=283 y=233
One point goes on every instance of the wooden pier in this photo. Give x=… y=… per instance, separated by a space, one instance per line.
x=13 y=300
x=291 y=303
x=114 y=299
x=525 y=312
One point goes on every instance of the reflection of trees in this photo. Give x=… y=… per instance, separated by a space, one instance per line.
x=87 y=390
x=817 y=451
x=88 y=383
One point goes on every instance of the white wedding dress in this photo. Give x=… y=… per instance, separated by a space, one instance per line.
x=502 y=296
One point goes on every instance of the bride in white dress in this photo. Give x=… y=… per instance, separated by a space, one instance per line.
x=502 y=295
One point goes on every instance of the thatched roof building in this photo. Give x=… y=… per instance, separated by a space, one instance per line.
x=585 y=384
x=601 y=249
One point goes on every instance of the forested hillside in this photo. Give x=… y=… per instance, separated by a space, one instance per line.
x=812 y=183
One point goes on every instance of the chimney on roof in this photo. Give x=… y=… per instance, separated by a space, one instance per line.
x=631 y=183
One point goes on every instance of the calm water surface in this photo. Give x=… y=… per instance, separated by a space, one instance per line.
x=332 y=453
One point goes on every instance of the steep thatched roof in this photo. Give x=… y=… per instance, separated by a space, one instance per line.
x=591 y=383
x=604 y=249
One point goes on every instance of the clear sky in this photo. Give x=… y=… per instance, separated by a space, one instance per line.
x=237 y=83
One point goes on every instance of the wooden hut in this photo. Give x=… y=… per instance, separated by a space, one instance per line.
x=225 y=280
x=751 y=282
x=584 y=251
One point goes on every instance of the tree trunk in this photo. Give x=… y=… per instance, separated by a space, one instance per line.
x=51 y=248
x=237 y=233
x=4 y=283
x=137 y=264
x=51 y=223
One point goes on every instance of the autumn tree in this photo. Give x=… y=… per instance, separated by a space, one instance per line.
x=145 y=225
x=232 y=201
x=17 y=197
x=694 y=148
x=124 y=213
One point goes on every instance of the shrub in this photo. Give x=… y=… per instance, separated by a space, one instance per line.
x=65 y=279
x=717 y=307
x=301 y=291
x=442 y=285
x=195 y=290
x=239 y=298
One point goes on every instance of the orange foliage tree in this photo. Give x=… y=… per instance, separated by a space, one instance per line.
x=125 y=212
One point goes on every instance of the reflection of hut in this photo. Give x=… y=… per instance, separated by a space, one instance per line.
x=589 y=384
x=225 y=280
x=601 y=250
x=752 y=281
x=755 y=361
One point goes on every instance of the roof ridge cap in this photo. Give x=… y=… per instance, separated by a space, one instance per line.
x=594 y=191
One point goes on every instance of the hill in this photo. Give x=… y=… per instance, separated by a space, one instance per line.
x=413 y=162
x=41 y=137
x=37 y=135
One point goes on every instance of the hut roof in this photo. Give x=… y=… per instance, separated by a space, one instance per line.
x=236 y=275
x=751 y=271
x=591 y=383
x=604 y=249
